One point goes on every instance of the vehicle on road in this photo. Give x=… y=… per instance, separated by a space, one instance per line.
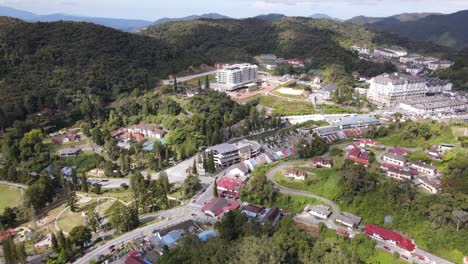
x=404 y=257
x=386 y=248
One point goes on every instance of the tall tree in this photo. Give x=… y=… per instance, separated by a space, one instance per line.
x=84 y=183
x=215 y=188
x=21 y=253
x=207 y=82
x=54 y=242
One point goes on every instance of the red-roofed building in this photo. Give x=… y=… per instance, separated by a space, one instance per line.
x=219 y=65
x=133 y=136
x=57 y=140
x=391 y=237
x=295 y=174
x=230 y=187
x=218 y=206
x=365 y=142
x=295 y=62
x=399 y=151
x=359 y=156
x=7 y=233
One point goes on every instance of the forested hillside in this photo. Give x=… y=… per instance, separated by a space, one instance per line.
x=319 y=41
x=447 y=30
x=47 y=65
x=52 y=65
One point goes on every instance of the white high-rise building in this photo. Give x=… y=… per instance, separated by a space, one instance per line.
x=236 y=75
x=391 y=89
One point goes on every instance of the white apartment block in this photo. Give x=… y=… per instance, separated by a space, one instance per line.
x=237 y=74
x=390 y=53
x=391 y=89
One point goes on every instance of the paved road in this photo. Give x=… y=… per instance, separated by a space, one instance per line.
x=190 y=77
x=172 y=217
x=16 y=185
x=330 y=222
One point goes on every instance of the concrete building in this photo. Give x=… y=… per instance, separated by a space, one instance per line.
x=390 y=53
x=348 y=219
x=434 y=105
x=248 y=149
x=391 y=89
x=147 y=130
x=424 y=168
x=394 y=159
x=357 y=122
x=295 y=174
x=232 y=77
x=410 y=58
x=216 y=207
x=436 y=85
x=439 y=65
x=225 y=155
x=320 y=211
x=414 y=69
x=69 y=152
x=432 y=185
x=399 y=174
x=361 y=49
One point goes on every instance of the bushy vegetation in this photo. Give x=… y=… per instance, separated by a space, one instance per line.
x=243 y=241
x=457 y=73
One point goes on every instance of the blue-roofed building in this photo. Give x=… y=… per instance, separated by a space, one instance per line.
x=276 y=156
x=171 y=238
x=205 y=235
x=67 y=171
x=149 y=147
x=289 y=152
x=253 y=162
x=268 y=160
x=49 y=169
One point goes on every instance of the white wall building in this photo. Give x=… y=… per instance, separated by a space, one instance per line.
x=237 y=75
x=390 y=89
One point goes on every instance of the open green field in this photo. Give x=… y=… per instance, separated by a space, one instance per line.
x=383 y=257
x=293 y=203
x=460 y=131
x=397 y=139
x=283 y=107
x=68 y=220
x=325 y=182
x=119 y=194
x=9 y=196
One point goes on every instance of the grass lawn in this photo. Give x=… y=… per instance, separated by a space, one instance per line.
x=10 y=197
x=326 y=183
x=68 y=220
x=396 y=139
x=383 y=257
x=459 y=131
x=293 y=203
x=124 y=195
x=284 y=107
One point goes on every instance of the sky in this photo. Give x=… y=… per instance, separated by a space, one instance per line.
x=155 y=9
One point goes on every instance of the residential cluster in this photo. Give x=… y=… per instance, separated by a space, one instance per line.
x=395 y=164
x=138 y=133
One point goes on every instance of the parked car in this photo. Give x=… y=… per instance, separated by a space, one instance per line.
x=387 y=248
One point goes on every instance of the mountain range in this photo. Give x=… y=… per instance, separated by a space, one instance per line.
x=449 y=30
x=54 y=64
x=127 y=24
x=121 y=24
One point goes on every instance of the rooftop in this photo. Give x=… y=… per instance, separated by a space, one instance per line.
x=223 y=148
x=181 y=226
x=394 y=156
x=349 y=218
x=397 y=79
x=352 y=120
x=321 y=209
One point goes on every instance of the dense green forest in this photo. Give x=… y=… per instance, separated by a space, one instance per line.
x=458 y=73
x=318 y=41
x=62 y=65
x=441 y=29
x=54 y=65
